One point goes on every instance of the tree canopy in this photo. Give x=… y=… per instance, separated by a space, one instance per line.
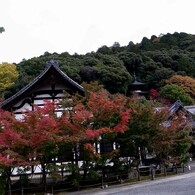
x=174 y=93
x=185 y=82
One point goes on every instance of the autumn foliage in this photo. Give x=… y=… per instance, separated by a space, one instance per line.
x=185 y=82
x=98 y=113
x=82 y=122
x=86 y=119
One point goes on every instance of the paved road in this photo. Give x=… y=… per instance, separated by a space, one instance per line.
x=179 y=185
x=175 y=185
x=183 y=184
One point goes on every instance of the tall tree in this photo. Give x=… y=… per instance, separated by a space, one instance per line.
x=174 y=93
x=172 y=142
x=22 y=140
x=12 y=148
x=94 y=117
x=142 y=127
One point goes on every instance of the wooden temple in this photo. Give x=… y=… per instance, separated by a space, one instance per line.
x=49 y=85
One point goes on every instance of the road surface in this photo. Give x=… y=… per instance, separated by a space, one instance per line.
x=181 y=184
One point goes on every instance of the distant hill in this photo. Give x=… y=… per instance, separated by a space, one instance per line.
x=152 y=61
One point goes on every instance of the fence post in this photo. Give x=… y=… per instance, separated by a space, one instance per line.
x=152 y=171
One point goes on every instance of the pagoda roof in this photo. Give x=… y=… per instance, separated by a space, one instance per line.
x=52 y=67
x=137 y=83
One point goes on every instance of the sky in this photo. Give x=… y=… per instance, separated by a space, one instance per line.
x=33 y=27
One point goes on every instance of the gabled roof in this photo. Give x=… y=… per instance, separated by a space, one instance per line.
x=178 y=104
x=175 y=106
x=51 y=66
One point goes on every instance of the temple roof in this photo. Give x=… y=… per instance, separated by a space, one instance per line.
x=175 y=107
x=51 y=67
x=135 y=82
x=179 y=105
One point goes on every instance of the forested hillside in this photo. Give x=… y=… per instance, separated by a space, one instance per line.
x=154 y=61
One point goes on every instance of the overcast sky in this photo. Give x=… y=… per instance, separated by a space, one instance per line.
x=33 y=27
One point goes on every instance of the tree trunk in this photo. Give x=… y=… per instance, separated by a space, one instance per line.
x=85 y=169
x=183 y=167
x=9 y=186
x=62 y=170
x=176 y=170
x=138 y=174
x=43 y=181
x=152 y=173
x=8 y=183
x=165 y=170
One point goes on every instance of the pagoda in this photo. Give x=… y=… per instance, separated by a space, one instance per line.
x=137 y=88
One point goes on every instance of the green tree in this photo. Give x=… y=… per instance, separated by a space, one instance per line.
x=113 y=80
x=172 y=142
x=104 y=50
x=143 y=127
x=144 y=123
x=131 y=61
x=174 y=93
x=112 y=73
x=88 y=73
x=185 y=82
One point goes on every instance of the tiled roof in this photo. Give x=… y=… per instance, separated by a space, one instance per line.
x=175 y=106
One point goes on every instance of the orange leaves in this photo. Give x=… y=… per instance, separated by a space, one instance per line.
x=92 y=134
x=100 y=105
x=9 y=138
x=107 y=108
x=81 y=115
x=41 y=125
x=85 y=119
x=121 y=127
x=98 y=113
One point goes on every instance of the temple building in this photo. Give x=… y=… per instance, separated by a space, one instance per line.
x=49 y=85
x=137 y=87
